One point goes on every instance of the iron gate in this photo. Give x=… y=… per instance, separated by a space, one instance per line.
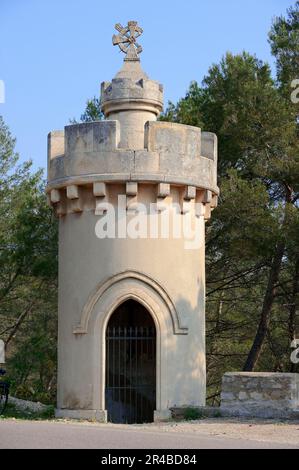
x=130 y=374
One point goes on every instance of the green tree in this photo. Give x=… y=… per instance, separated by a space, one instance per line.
x=252 y=242
x=284 y=40
x=28 y=279
x=92 y=112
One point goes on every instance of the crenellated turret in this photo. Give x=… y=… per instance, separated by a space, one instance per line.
x=90 y=167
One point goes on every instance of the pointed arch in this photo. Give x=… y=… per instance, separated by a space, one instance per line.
x=141 y=281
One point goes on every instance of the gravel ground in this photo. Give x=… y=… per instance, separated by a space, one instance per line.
x=273 y=431
x=205 y=434
x=238 y=428
x=268 y=431
x=25 y=405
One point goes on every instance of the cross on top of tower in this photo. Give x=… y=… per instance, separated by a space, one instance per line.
x=126 y=40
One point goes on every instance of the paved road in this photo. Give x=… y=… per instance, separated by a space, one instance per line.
x=60 y=435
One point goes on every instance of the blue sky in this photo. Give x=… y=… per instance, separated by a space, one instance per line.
x=54 y=54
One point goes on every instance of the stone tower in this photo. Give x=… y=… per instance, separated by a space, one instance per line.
x=131 y=342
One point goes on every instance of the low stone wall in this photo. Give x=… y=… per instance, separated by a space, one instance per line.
x=264 y=395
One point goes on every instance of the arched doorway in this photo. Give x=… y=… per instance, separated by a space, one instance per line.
x=130 y=364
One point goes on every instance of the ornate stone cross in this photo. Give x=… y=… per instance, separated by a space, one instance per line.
x=126 y=40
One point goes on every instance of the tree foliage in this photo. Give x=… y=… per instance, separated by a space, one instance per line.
x=253 y=236
x=284 y=40
x=92 y=112
x=28 y=276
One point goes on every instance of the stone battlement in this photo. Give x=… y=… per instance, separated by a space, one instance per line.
x=117 y=94
x=173 y=153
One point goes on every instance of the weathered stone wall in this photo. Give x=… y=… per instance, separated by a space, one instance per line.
x=265 y=395
x=172 y=153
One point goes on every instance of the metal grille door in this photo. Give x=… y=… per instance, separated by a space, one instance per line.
x=130 y=374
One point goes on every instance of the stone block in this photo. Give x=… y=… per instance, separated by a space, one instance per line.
x=72 y=192
x=163 y=190
x=55 y=144
x=99 y=189
x=207 y=198
x=146 y=161
x=55 y=154
x=209 y=145
x=256 y=396
x=162 y=415
x=227 y=396
x=268 y=395
x=106 y=135
x=78 y=138
x=131 y=188
x=243 y=396
x=190 y=193
x=95 y=136
x=55 y=196
x=56 y=168
x=171 y=138
x=118 y=161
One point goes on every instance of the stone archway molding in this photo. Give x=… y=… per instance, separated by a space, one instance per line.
x=98 y=292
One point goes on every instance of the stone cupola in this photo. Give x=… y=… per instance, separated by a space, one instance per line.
x=133 y=99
